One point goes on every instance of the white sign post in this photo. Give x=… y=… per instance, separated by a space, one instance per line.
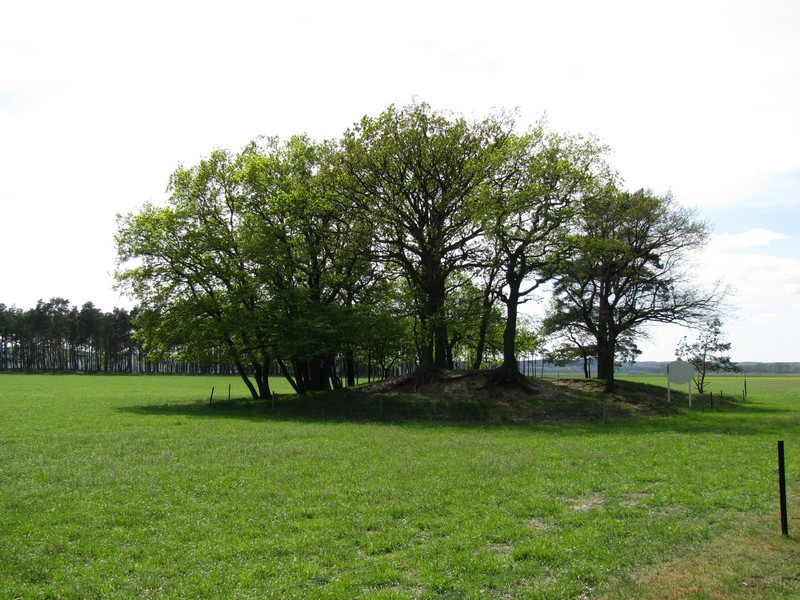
x=679 y=372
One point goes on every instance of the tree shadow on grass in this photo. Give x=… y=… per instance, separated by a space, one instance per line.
x=330 y=408
x=576 y=412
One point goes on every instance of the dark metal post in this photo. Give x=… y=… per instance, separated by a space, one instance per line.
x=782 y=486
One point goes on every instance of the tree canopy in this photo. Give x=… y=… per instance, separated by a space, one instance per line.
x=419 y=176
x=412 y=235
x=626 y=266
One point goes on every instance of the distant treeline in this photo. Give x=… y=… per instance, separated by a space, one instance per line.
x=767 y=368
x=775 y=368
x=55 y=336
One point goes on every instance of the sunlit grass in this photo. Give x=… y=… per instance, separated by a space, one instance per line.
x=136 y=486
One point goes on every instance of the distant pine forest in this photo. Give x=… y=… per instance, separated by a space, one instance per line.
x=55 y=336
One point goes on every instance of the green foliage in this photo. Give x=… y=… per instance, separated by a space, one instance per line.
x=267 y=254
x=419 y=175
x=625 y=268
x=255 y=256
x=471 y=322
x=382 y=331
x=538 y=180
x=191 y=272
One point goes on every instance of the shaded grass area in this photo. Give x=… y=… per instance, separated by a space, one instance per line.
x=457 y=399
x=137 y=486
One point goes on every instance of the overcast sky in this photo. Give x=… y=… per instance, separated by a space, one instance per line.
x=101 y=101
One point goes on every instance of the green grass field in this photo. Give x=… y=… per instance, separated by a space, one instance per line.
x=134 y=486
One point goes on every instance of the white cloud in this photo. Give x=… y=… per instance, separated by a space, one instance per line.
x=766 y=300
x=762 y=281
x=764 y=326
x=752 y=238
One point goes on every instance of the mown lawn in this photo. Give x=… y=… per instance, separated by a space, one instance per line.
x=134 y=486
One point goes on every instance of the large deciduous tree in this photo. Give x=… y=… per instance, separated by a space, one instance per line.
x=418 y=174
x=629 y=266
x=537 y=182
x=319 y=251
x=254 y=256
x=187 y=265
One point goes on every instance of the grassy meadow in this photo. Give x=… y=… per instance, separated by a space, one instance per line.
x=136 y=487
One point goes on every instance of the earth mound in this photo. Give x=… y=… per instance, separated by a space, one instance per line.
x=532 y=400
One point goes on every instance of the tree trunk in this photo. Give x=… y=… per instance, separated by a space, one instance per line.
x=510 y=331
x=451 y=363
x=433 y=351
x=508 y=372
x=320 y=374
x=440 y=343
x=350 y=367
x=335 y=380
x=606 y=342
x=262 y=379
x=480 y=346
x=243 y=374
x=288 y=376
x=302 y=375
x=426 y=362
x=605 y=363
x=486 y=313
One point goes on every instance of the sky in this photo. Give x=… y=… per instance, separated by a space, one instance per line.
x=101 y=101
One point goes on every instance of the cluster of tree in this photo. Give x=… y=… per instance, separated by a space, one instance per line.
x=58 y=337
x=416 y=236
x=55 y=336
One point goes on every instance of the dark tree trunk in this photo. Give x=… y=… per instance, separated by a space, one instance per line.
x=426 y=362
x=262 y=379
x=243 y=374
x=433 y=350
x=486 y=313
x=335 y=380
x=350 y=368
x=451 y=363
x=320 y=374
x=292 y=381
x=606 y=342
x=440 y=343
x=605 y=363
x=508 y=372
x=510 y=366
x=479 y=348
x=510 y=331
x=301 y=375
x=310 y=375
